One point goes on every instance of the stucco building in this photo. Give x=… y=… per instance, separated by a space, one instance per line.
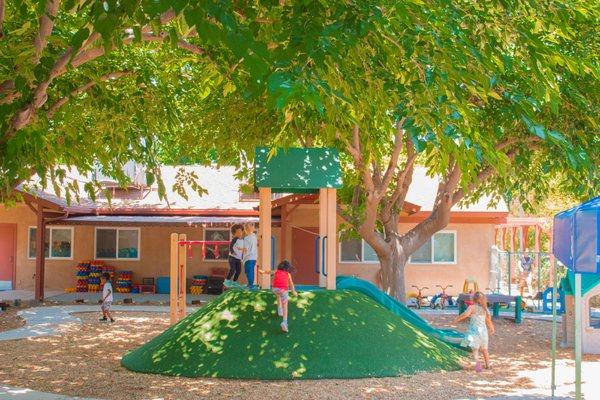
x=131 y=232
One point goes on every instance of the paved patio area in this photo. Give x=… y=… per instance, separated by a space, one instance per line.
x=45 y=321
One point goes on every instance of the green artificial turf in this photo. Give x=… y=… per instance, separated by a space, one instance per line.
x=333 y=334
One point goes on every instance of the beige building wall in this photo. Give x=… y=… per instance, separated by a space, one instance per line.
x=473 y=242
x=60 y=274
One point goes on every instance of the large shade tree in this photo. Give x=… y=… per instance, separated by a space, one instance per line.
x=495 y=97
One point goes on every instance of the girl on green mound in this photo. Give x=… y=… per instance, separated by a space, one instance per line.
x=282 y=281
x=477 y=334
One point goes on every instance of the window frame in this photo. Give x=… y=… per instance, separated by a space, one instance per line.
x=118 y=228
x=214 y=228
x=362 y=254
x=51 y=228
x=433 y=262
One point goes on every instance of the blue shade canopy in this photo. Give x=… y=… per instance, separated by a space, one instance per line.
x=297 y=170
x=577 y=237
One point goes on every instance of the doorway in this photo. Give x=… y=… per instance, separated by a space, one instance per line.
x=303 y=255
x=8 y=236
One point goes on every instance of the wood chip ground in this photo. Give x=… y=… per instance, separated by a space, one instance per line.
x=85 y=361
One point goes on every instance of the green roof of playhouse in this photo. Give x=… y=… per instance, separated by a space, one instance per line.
x=297 y=170
x=588 y=282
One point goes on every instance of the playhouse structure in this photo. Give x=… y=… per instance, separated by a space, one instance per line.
x=300 y=170
x=293 y=170
x=576 y=243
x=590 y=330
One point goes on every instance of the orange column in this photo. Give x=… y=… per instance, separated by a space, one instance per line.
x=283 y=236
x=322 y=233
x=181 y=279
x=264 y=237
x=331 y=245
x=173 y=306
x=524 y=237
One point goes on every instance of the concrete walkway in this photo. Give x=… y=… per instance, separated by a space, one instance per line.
x=8 y=392
x=45 y=321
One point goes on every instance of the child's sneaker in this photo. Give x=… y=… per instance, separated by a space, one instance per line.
x=478 y=367
x=103 y=319
x=227 y=283
x=112 y=320
x=280 y=311
x=284 y=326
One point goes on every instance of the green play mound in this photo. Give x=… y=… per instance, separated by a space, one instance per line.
x=333 y=334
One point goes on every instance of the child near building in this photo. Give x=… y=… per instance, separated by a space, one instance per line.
x=107 y=297
x=250 y=253
x=477 y=334
x=282 y=281
x=236 y=253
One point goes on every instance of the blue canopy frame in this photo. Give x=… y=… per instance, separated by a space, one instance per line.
x=576 y=238
x=576 y=243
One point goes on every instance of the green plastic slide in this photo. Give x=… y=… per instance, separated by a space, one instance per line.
x=449 y=336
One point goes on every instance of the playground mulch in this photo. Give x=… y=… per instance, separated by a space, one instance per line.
x=86 y=361
x=333 y=334
x=10 y=320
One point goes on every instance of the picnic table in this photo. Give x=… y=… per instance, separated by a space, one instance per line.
x=495 y=300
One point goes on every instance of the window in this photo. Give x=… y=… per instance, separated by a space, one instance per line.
x=595 y=311
x=440 y=249
x=118 y=243
x=357 y=251
x=217 y=251
x=58 y=243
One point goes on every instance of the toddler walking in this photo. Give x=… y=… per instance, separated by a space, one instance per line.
x=282 y=281
x=477 y=334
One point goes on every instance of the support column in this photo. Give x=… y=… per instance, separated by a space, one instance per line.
x=283 y=236
x=331 y=245
x=173 y=306
x=40 y=256
x=181 y=281
x=577 y=336
x=322 y=233
x=264 y=245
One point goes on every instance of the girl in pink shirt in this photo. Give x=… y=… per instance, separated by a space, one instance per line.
x=282 y=281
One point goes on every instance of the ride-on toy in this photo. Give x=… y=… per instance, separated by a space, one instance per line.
x=420 y=300
x=442 y=299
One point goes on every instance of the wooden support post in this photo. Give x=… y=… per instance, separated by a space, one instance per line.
x=322 y=233
x=283 y=236
x=173 y=300
x=503 y=239
x=331 y=245
x=40 y=254
x=181 y=278
x=264 y=237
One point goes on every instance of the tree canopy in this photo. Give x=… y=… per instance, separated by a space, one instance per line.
x=497 y=96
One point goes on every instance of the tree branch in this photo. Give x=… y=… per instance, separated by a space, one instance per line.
x=2 y=6
x=113 y=75
x=25 y=115
x=391 y=169
x=46 y=24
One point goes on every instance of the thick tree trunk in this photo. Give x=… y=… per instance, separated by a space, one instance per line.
x=392 y=271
